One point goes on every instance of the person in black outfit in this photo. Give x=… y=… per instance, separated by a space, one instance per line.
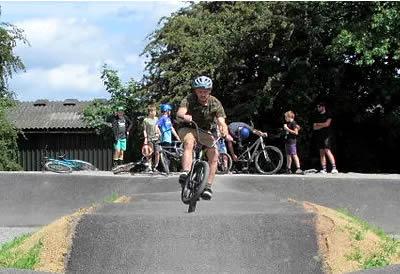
x=323 y=133
x=121 y=126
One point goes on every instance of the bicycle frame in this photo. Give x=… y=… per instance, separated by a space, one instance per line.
x=247 y=155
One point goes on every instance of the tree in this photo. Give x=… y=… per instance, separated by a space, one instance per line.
x=130 y=96
x=268 y=57
x=9 y=64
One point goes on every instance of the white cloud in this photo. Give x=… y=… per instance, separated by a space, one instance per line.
x=70 y=42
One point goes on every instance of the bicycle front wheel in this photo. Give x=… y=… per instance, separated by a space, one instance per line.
x=57 y=167
x=269 y=160
x=195 y=185
x=224 y=163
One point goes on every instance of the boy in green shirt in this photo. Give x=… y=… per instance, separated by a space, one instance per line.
x=151 y=134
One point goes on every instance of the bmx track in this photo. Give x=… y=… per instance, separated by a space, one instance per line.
x=248 y=226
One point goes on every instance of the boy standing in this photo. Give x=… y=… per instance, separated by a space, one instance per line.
x=121 y=126
x=165 y=125
x=292 y=130
x=151 y=134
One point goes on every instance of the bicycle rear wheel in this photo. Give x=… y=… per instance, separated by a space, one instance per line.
x=164 y=161
x=197 y=182
x=123 y=168
x=224 y=163
x=57 y=167
x=269 y=160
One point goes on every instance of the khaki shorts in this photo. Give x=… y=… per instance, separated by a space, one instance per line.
x=186 y=134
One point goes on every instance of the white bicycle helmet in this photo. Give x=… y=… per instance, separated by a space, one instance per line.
x=202 y=82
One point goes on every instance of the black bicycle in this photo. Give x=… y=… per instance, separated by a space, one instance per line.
x=194 y=183
x=266 y=159
x=170 y=157
x=132 y=167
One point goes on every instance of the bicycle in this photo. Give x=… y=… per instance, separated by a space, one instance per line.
x=63 y=165
x=267 y=159
x=224 y=164
x=194 y=183
x=171 y=154
x=143 y=164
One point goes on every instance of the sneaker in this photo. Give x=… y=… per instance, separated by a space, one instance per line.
x=334 y=171
x=322 y=171
x=299 y=171
x=182 y=179
x=207 y=194
x=288 y=171
x=148 y=170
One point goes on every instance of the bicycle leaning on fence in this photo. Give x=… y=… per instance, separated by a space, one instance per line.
x=60 y=164
x=266 y=159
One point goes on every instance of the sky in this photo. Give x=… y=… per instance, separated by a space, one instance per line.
x=71 y=41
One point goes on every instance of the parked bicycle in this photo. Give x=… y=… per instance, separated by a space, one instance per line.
x=266 y=159
x=194 y=183
x=170 y=157
x=140 y=166
x=60 y=164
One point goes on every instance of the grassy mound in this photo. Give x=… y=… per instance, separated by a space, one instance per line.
x=348 y=243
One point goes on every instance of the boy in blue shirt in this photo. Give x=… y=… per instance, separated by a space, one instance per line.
x=165 y=125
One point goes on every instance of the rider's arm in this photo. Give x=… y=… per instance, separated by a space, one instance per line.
x=145 y=133
x=175 y=134
x=129 y=124
x=258 y=132
x=181 y=114
x=223 y=127
x=327 y=123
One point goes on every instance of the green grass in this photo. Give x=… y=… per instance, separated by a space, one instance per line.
x=111 y=198
x=9 y=258
x=389 y=245
x=366 y=226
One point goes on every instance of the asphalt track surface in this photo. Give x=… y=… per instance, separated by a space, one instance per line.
x=248 y=226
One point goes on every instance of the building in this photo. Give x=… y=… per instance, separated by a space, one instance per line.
x=55 y=128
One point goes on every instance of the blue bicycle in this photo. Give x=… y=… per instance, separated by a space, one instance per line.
x=63 y=165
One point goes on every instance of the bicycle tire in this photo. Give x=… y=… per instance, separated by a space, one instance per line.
x=57 y=167
x=224 y=163
x=195 y=186
x=85 y=165
x=271 y=165
x=192 y=207
x=164 y=162
x=122 y=168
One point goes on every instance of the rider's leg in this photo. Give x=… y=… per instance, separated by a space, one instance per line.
x=288 y=163
x=212 y=156
x=322 y=159
x=188 y=146
x=331 y=158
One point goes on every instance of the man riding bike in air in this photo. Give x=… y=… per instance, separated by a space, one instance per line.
x=202 y=108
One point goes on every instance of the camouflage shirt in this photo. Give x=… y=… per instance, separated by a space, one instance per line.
x=203 y=115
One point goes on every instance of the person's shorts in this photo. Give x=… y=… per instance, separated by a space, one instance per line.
x=291 y=149
x=120 y=144
x=186 y=134
x=324 y=142
x=156 y=145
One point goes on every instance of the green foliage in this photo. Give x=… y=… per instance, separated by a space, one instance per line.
x=268 y=57
x=131 y=96
x=111 y=198
x=9 y=62
x=8 y=139
x=11 y=258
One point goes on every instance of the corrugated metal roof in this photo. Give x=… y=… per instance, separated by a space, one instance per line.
x=44 y=114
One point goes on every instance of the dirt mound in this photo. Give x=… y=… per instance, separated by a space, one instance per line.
x=349 y=244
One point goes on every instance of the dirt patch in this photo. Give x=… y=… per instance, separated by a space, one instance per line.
x=56 y=239
x=123 y=199
x=347 y=245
